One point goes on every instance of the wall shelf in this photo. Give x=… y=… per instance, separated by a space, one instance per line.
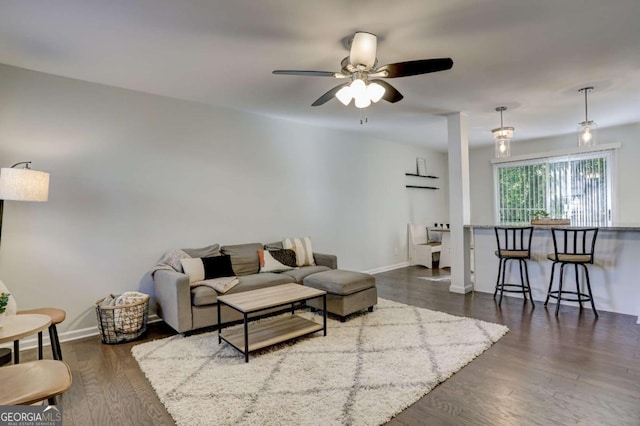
x=417 y=175
x=421 y=187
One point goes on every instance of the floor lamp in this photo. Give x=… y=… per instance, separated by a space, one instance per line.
x=22 y=184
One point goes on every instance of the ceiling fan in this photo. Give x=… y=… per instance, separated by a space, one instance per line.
x=360 y=67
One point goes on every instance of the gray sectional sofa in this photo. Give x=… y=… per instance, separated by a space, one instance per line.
x=186 y=309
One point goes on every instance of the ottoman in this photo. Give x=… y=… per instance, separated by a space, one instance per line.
x=347 y=291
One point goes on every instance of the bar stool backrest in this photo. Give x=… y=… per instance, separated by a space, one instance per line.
x=574 y=241
x=513 y=238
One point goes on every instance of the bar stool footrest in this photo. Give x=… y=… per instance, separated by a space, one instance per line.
x=584 y=297
x=518 y=288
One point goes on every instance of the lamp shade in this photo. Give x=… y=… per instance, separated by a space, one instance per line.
x=23 y=185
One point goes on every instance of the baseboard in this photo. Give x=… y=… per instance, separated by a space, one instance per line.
x=387 y=268
x=67 y=336
x=467 y=288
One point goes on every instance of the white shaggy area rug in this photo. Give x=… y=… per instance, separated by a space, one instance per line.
x=364 y=372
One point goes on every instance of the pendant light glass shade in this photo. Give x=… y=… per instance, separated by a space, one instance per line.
x=503 y=137
x=587 y=129
x=503 y=148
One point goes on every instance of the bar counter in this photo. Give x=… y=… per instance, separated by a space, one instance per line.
x=615 y=274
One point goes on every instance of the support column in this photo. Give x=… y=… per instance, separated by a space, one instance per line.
x=459 y=203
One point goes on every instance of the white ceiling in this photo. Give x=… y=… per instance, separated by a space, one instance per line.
x=531 y=56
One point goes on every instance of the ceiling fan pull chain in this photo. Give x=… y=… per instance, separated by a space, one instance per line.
x=363 y=120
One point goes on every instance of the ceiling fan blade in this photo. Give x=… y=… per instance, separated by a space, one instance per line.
x=391 y=94
x=306 y=73
x=422 y=66
x=329 y=95
x=363 y=50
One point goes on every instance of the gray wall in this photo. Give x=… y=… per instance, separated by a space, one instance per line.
x=133 y=175
x=626 y=172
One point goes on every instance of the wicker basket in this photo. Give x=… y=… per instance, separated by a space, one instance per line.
x=122 y=323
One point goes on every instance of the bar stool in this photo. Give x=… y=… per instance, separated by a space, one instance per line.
x=514 y=243
x=57 y=316
x=572 y=247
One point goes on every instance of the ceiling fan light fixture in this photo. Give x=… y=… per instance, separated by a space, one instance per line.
x=375 y=91
x=363 y=50
x=345 y=95
x=587 y=129
x=503 y=137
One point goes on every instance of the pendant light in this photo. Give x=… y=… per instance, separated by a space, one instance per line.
x=503 y=137
x=587 y=130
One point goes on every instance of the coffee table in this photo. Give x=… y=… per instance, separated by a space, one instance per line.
x=267 y=333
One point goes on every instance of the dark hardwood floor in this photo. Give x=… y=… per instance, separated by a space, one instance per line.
x=572 y=369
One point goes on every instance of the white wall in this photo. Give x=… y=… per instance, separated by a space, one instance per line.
x=627 y=172
x=133 y=175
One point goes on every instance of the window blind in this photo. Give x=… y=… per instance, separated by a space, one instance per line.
x=577 y=187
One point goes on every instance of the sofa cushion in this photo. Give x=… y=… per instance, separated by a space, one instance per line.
x=256 y=281
x=207 y=268
x=244 y=258
x=203 y=295
x=209 y=251
x=300 y=273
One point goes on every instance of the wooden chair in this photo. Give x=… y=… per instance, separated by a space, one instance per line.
x=34 y=381
x=420 y=249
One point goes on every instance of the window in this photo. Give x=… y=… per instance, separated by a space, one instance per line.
x=577 y=187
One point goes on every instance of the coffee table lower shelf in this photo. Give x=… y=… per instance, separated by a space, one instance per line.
x=270 y=332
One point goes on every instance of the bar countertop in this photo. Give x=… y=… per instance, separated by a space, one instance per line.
x=612 y=227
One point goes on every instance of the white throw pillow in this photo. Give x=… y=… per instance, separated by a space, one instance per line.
x=304 y=253
x=269 y=264
x=193 y=267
